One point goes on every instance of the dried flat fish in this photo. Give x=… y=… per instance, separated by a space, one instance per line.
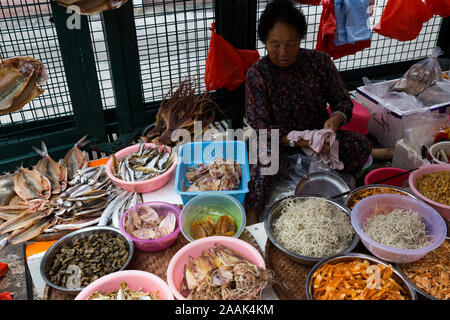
x=91 y=7
x=74 y=159
x=19 y=81
x=6 y=188
x=55 y=172
x=31 y=184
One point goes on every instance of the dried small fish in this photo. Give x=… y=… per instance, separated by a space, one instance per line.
x=143 y=164
x=19 y=81
x=55 y=172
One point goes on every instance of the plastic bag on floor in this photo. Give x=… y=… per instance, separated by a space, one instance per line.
x=421 y=75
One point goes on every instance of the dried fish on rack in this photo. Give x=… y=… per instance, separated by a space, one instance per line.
x=91 y=7
x=144 y=164
x=181 y=111
x=20 y=78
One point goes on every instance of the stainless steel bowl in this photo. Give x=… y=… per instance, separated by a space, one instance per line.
x=397 y=276
x=356 y=191
x=325 y=184
x=419 y=291
x=275 y=211
x=68 y=239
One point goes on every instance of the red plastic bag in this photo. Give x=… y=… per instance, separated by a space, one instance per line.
x=403 y=19
x=226 y=65
x=312 y=2
x=439 y=7
x=6 y=296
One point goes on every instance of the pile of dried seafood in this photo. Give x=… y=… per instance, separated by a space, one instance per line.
x=146 y=223
x=142 y=165
x=19 y=81
x=219 y=175
x=221 y=274
x=96 y=255
x=181 y=111
x=59 y=196
x=124 y=293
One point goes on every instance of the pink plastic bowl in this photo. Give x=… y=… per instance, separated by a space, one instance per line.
x=381 y=173
x=141 y=186
x=135 y=279
x=175 y=269
x=434 y=224
x=443 y=209
x=162 y=208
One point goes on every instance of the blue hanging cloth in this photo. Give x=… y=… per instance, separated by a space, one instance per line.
x=352 y=21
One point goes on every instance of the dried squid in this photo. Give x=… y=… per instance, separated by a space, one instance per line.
x=222 y=274
x=20 y=78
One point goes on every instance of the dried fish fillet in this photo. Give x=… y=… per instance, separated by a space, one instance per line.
x=75 y=159
x=31 y=184
x=20 y=78
x=91 y=7
x=55 y=172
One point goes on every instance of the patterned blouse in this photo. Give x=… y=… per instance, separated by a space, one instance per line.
x=295 y=98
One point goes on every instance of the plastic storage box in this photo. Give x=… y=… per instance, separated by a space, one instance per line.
x=406 y=157
x=196 y=153
x=387 y=125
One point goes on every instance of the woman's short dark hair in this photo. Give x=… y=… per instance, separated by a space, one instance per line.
x=281 y=11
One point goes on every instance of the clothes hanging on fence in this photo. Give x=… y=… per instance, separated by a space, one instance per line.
x=403 y=19
x=352 y=17
x=326 y=35
x=316 y=140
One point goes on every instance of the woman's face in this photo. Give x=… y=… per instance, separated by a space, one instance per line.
x=283 y=44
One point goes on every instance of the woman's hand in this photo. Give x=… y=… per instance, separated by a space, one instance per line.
x=335 y=122
x=299 y=143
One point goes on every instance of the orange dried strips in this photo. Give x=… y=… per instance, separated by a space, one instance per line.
x=370 y=192
x=225 y=226
x=356 y=280
x=432 y=273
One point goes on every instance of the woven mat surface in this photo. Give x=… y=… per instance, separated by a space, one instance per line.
x=290 y=275
x=154 y=262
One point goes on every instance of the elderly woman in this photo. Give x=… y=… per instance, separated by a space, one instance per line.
x=289 y=89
